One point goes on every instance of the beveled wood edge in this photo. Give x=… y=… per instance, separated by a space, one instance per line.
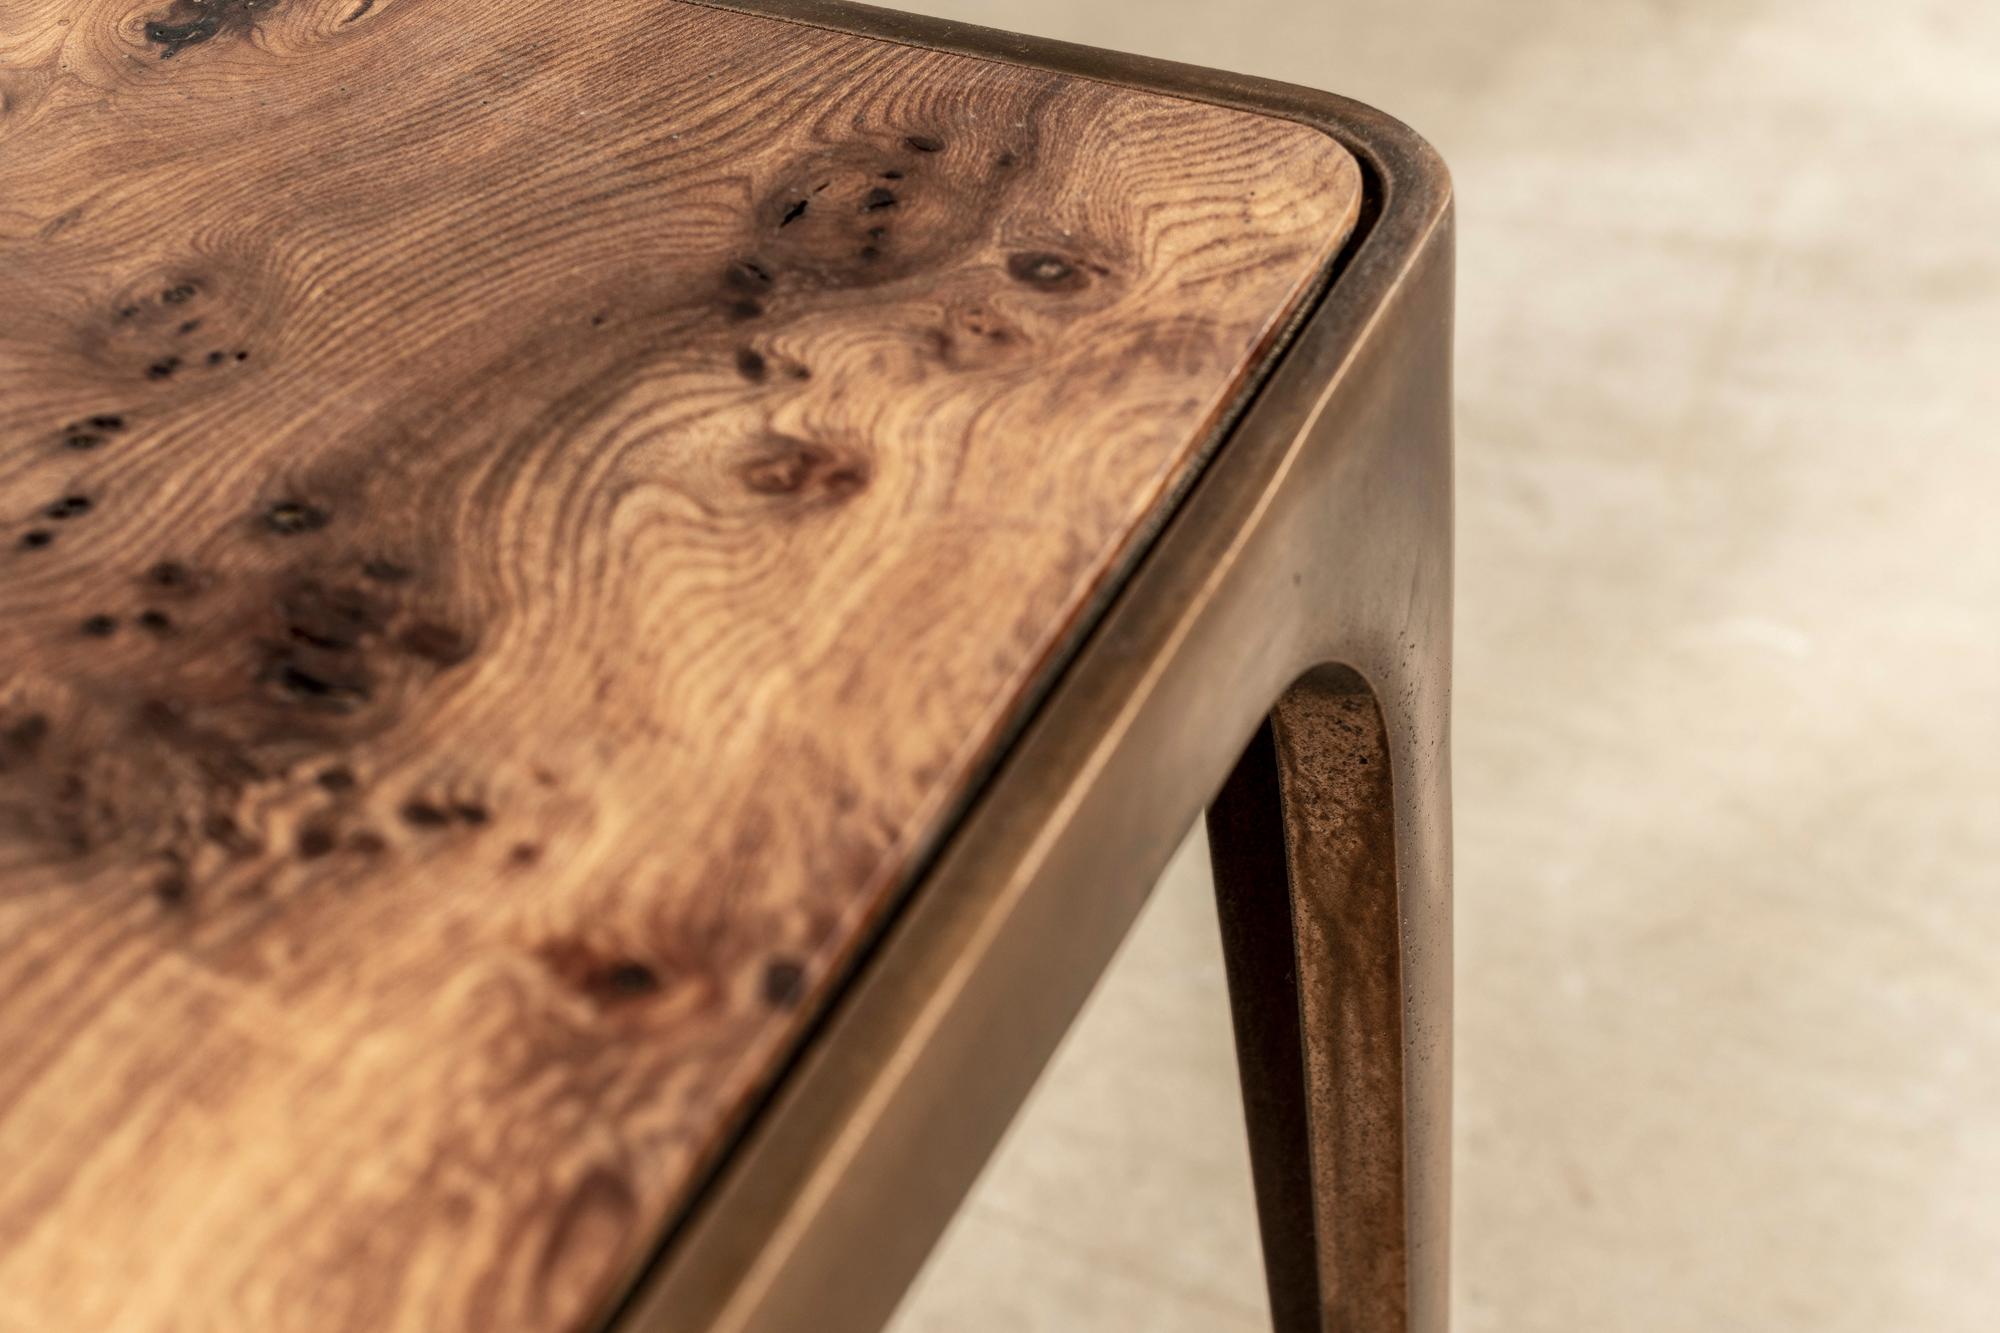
x=750 y=1212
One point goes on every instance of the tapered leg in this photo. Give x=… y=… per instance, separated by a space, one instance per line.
x=1304 y=842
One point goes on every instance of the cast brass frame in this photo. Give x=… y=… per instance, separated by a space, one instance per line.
x=1310 y=564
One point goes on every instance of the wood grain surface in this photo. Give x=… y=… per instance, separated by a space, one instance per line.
x=516 y=524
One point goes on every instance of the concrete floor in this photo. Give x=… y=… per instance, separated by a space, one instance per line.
x=1728 y=730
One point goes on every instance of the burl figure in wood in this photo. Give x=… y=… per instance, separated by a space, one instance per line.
x=516 y=523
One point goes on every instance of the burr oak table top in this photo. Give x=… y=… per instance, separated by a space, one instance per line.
x=519 y=527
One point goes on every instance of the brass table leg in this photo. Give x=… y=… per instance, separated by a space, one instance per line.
x=1331 y=841
x=1304 y=847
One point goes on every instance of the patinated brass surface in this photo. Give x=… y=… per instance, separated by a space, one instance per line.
x=1311 y=561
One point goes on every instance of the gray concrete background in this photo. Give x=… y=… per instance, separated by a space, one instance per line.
x=1729 y=656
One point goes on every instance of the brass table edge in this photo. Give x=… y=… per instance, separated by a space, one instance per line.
x=711 y=1254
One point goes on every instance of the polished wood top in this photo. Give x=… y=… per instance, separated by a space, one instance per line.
x=518 y=524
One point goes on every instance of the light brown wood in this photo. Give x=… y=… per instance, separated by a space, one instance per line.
x=516 y=525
